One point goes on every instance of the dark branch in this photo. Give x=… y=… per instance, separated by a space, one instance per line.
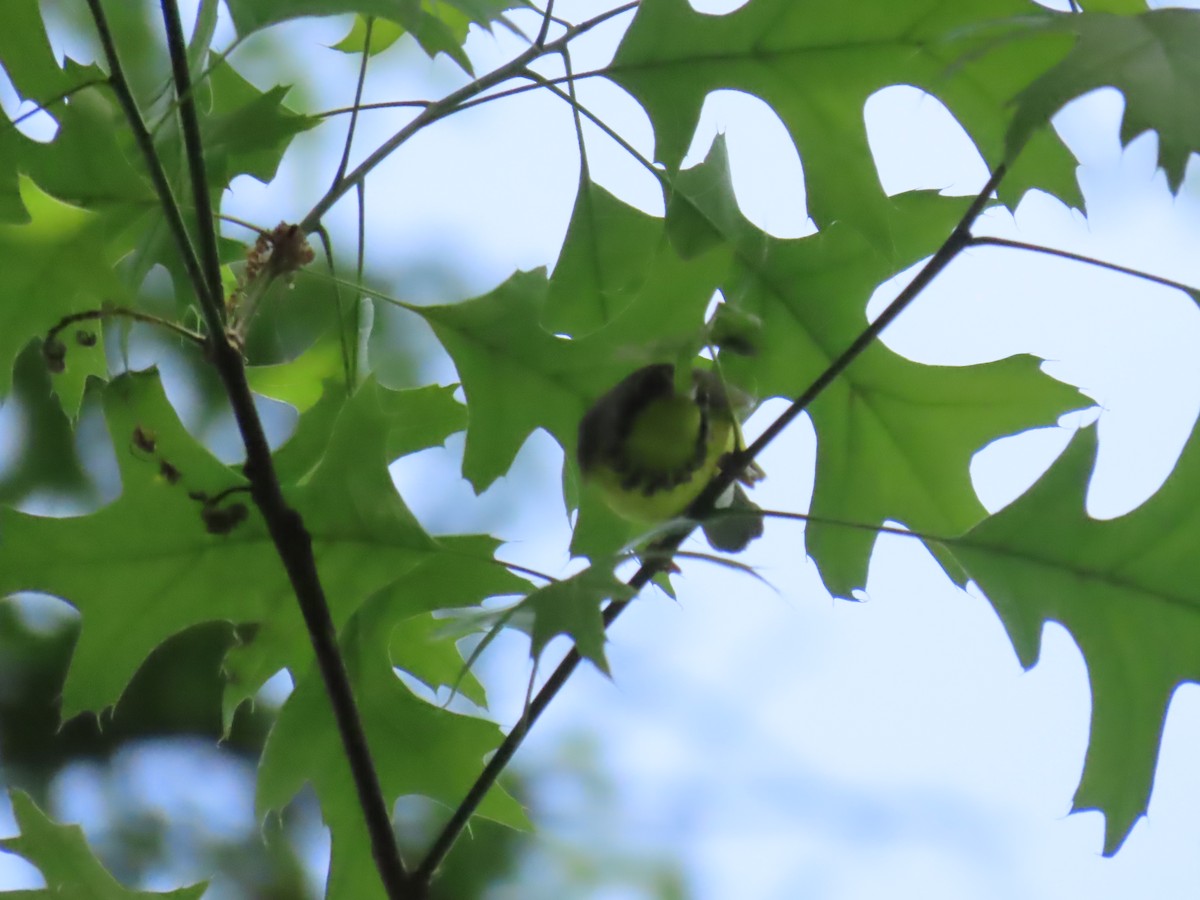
x=292 y=540
x=145 y=143
x=546 y=20
x=354 y=109
x=212 y=298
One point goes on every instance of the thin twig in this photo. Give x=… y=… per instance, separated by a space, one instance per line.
x=579 y=109
x=340 y=324
x=358 y=339
x=145 y=143
x=525 y=570
x=541 y=81
x=123 y=312
x=212 y=300
x=358 y=92
x=381 y=104
x=540 y=40
x=199 y=79
x=258 y=229
x=45 y=107
x=664 y=548
x=1089 y=260
x=476 y=101
x=447 y=105
x=584 y=169
x=504 y=753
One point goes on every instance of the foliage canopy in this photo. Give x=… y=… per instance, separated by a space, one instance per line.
x=87 y=216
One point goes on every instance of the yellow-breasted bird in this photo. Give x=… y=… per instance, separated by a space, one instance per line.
x=652 y=449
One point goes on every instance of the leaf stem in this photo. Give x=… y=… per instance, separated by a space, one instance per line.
x=578 y=109
x=249 y=226
x=53 y=101
x=122 y=312
x=381 y=104
x=1089 y=260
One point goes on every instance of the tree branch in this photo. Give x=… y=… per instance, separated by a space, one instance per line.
x=212 y=298
x=447 y=105
x=291 y=539
x=545 y=29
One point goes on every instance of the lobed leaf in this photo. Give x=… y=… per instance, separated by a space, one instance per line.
x=1125 y=589
x=418 y=748
x=894 y=438
x=59 y=263
x=62 y=854
x=572 y=607
x=817 y=70
x=1151 y=58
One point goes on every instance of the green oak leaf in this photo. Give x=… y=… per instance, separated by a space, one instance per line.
x=251 y=15
x=144 y=567
x=437 y=25
x=384 y=33
x=82 y=163
x=61 y=853
x=1151 y=58
x=46 y=459
x=300 y=382
x=1123 y=7
x=366 y=541
x=59 y=263
x=419 y=418
x=817 y=70
x=85 y=164
x=572 y=607
x=29 y=60
x=418 y=748
x=603 y=261
x=1127 y=591
x=246 y=131
x=894 y=438
x=421 y=647
x=518 y=376
x=422 y=417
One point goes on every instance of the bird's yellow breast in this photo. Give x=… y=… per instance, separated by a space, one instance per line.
x=665 y=470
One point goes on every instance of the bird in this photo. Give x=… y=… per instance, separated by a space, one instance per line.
x=652 y=449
